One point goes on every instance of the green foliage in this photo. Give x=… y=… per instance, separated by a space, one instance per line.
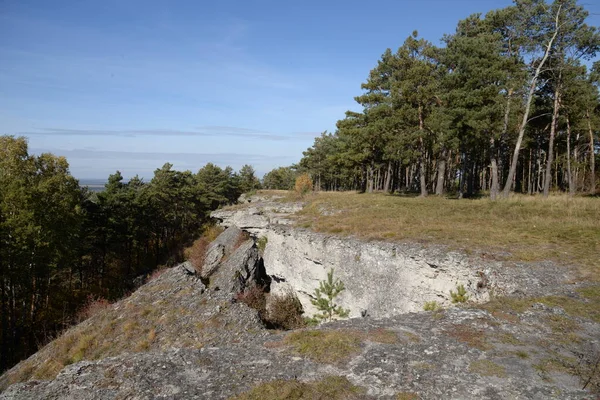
x=460 y=296
x=431 y=306
x=219 y=186
x=261 y=243
x=41 y=218
x=324 y=299
x=459 y=110
x=282 y=178
x=248 y=181
x=75 y=244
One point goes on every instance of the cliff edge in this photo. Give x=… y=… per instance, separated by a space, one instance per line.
x=186 y=335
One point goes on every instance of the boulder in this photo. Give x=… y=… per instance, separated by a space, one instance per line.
x=240 y=270
x=223 y=245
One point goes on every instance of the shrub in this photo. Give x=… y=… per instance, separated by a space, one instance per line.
x=93 y=306
x=303 y=185
x=261 y=243
x=432 y=306
x=285 y=312
x=324 y=299
x=460 y=296
x=156 y=273
x=254 y=297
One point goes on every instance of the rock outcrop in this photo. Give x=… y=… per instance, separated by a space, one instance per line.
x=223 y=245
x=184 y=336
x=459 y=354
x=381 y=279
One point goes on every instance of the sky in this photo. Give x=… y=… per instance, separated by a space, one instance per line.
x=131 y=84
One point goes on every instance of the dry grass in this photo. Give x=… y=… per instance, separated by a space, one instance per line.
x=285 y=312
x=329 y=347
x=470 y=336
x=381 y=335
x=560 y=228
x=508 y=338
x=136 y=324
x=407 y=396
x=336 y=346
x=197 y=251
x=156 y=274
x=254 y=297
x=93 y=306
x=331 y=387
x=585 y=306
x=487 y=368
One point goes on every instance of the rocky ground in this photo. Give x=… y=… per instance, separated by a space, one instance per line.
x=185 y=335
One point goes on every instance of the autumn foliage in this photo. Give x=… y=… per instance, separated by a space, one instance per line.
x=303 y=185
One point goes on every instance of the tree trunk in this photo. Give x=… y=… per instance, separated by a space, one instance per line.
x=548 y=177
x=569 y=172
x=388 y=178
x=439 y=186
x=495 y=187
x=529 y=184
x=461 y=180
x=370 y=179
x=592 y=156
x=538 y=181
x=576 y=159
x=422 y=168
x=532 y=86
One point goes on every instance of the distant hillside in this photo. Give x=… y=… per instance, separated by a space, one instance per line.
x=95 y=185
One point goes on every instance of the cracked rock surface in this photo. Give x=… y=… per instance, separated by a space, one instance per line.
x=179 y=338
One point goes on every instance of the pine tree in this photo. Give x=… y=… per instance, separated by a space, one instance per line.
x=324 y=299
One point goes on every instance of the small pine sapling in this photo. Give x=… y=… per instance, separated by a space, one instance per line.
x=261 y=243
x=324 y=299
x=460 y=296
x=432 y=306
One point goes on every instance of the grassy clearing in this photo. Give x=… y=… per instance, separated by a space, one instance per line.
x=331 y=387
x=523 y=228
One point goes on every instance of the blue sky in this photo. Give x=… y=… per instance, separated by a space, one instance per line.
x=129 y=84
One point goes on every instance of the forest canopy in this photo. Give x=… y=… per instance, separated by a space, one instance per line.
x=508 y=103
x=62 y=245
